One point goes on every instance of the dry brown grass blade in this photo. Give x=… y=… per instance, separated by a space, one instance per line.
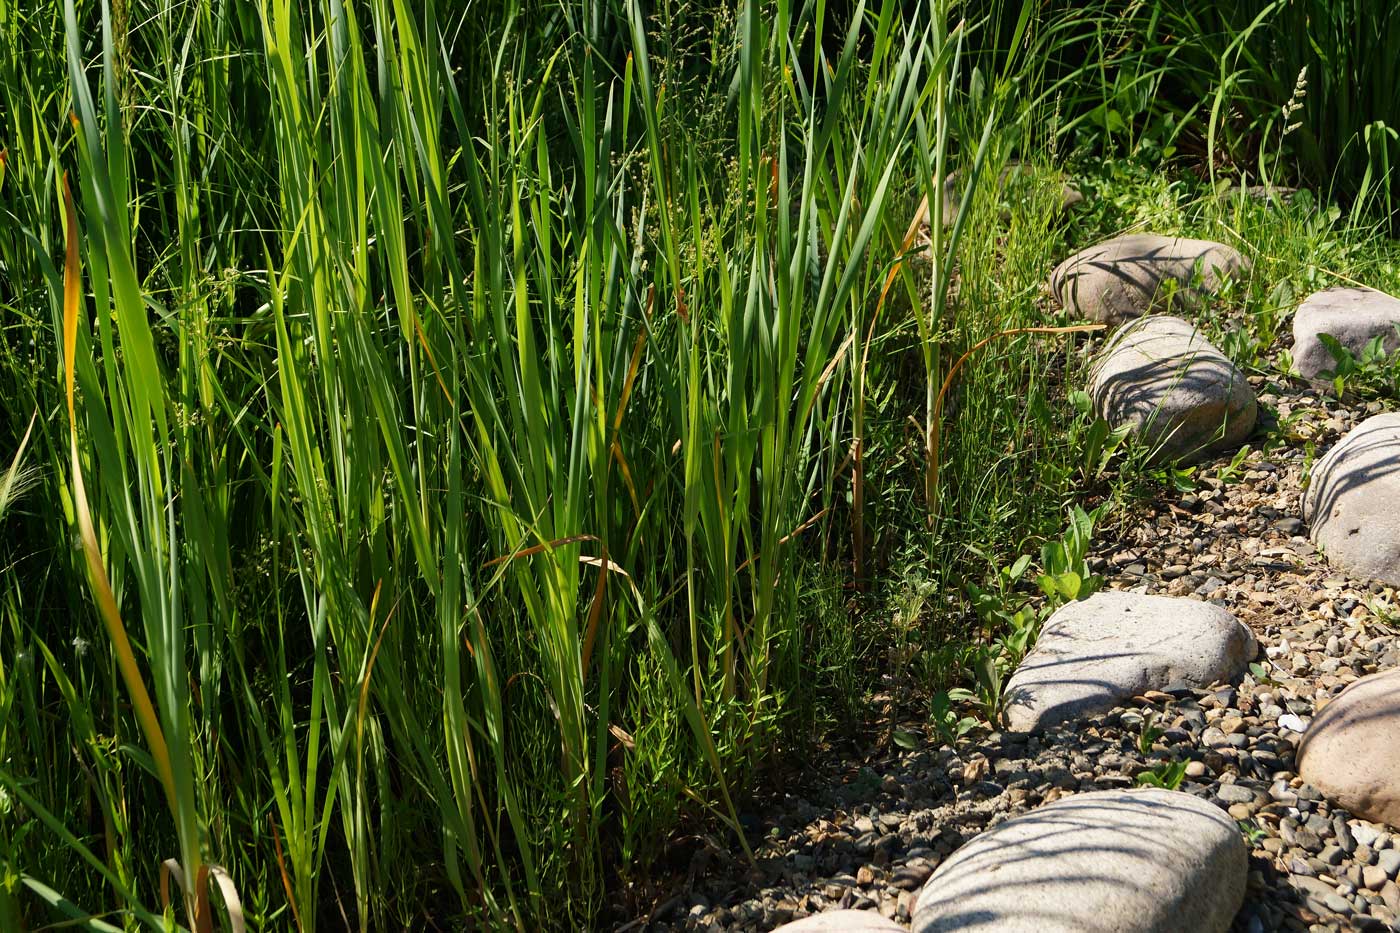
x=369 y=663
x=232 y=903
x=633 y=364
x=626 y=470
x=595 y=612
x=282 y=869
x=836 y=359
x=428 y=351
x=107 y=602
x=537 y=548
x=203 y=919
x=623 y=737
x=792 y=534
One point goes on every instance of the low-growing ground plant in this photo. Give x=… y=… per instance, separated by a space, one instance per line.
x=1167 y=776
x=1012 y=619
x=1148 y=733
x=1372 y=373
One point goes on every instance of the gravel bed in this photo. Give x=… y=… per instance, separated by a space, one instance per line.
x=868 y=835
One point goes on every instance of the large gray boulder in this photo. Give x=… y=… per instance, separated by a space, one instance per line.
x=1119 y=861
x=1351 y=751
x=1353 y=500
x=1095 y=653
x=1181 y=395
x=1129 y=276
x=1355 y=316
x=842 y=921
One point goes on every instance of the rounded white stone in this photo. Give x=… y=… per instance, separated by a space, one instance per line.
x=1127 y=276
x=1181 y=395
x=1354 y=316
x=1353 y=500
x=1097 y=652
x=1122 y=861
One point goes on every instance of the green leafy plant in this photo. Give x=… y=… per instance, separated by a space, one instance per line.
x=997 y=605
x=1252 y=831
x=1167 y=776
x=950 y=724
x=1261 y=675
x=1174 y=477
x=1374 y=372
x=1148 y=733
x=1233 y=471
x=1098 y=440
x=1064 y=569
x=1012 y=620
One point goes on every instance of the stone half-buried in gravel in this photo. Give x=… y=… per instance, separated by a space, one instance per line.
x=1133 y=275
x=1351 y=752
x=1353 y=500
x=1118 y=861
x=1182 y=396
x=1097 y=652
x=1353 y=315
x=842 y=921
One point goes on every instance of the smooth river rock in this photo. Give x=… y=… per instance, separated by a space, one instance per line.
x=1353 y=500
x=1181 y=394
x=1129 y=276
x=1351 y=752
x=1097 y=652
x=1119 y=861
x=842 y=921
x=1355 y=316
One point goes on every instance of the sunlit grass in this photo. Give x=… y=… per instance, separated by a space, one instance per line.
x=467 y=447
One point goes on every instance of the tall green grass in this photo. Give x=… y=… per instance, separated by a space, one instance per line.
x=1272 y=91
x=497 y=434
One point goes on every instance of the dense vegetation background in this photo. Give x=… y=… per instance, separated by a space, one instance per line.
x=457 y=446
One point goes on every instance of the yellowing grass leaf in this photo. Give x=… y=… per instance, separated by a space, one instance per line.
x=97 y=573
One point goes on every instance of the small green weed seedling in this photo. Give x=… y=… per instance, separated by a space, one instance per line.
x=949 y=723
x=1171 y=476
x=1149 y=733
x=1098 y=440
x=1234 y=470
x=1012 y=622
x=1373 y=373
x=1065 y=575
x=1261 y=674
x=1166 y=776
x=989 y=667
x=907 y=740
